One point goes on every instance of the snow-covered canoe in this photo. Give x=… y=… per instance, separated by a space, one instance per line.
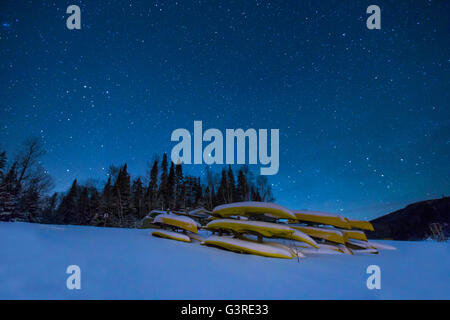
x=322 y=233
x=360 y=224
x=244 y=246
x=302 y=237
x=322 y=218
x=181 y=222
x=249 y=208
x=147 y=222
x=295 y=253
x=265 y=229
x=325 y=249
x=354 y=234
x=361 y=247
x=371 y=245
x=171 y=235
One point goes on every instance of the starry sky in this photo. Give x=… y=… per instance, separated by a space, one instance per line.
x=364 y=115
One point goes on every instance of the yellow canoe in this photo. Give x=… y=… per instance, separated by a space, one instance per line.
x=302 y=237
x=322 y=218
x=294 y=253
x=171 y=235
x=244 y=246
x=360 y=224
x=181 y=222
x=249 y=208
x=265 y=229
x=322 y=233
x=361 y=247
x=325 y=249
x=354 y=234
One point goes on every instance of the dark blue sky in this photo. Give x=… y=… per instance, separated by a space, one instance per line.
x=364 y=115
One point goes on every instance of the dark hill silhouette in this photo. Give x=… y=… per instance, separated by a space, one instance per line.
x=412 y=222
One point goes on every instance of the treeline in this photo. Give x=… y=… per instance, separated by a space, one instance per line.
x=23 y=184
x=122 y=201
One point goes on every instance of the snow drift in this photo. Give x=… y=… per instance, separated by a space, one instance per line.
x=131 y=264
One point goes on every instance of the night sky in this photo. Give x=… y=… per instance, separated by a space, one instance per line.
x=364 y=115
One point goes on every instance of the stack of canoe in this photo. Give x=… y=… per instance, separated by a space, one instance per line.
x=269 y=230
x=296 y=232
x=176 y=223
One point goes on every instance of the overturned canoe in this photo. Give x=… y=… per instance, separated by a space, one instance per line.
x=322 y=233
x=361 y=247
x=354 y=234
x=171 y=235
x=250 y=208
x=265 y=229
x=380 y=246
x=370 y=245
x=181 y=222
x=295 y=253
x=244 y=246
x=302 y=237
x=322 y=218
x=147 y=222
x=360 y=224
x=325 y=249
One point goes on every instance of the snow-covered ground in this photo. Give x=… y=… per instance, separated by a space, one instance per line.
x=131 y=264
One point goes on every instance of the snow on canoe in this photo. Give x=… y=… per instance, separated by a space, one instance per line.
x=302 y=237
x=147 y=222
x=323 y=249
x=244 y=246
x=369 y=250
x=322 y=233
x=322 y=218
x=171 y=235
x=200 y=213
x=380 y=246
x=361 y=247
x=359 y=224
x=197 y=237
x=371 y=245
x=249 y=208
x=181 y=222
x=265 y=229
x=295 y=253
x=354 y=234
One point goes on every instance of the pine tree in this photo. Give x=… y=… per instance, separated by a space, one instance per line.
x=95 y=204
x=171 y=187
x=2 y=164
x=242 y=187
x=163 y=186
x=179 y=187
x=49 y=214
x=105 y=213
x=138 y=198
x=67 y=208
x=222 y=196
x=151 y=196
x=9 y=194
x=122 y=202
x=231 y=187
x=83 y=208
